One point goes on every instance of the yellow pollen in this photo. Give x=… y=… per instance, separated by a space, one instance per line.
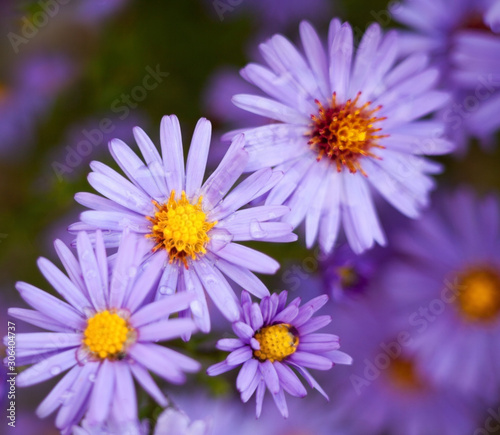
x=345 y=132
x=479 y=294
x=276 y=342
x=181 y=228
x=402 y=374
x=107 y=334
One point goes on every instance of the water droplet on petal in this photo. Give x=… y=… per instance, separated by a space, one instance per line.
x=92 y=377
x=55 y=370
x=256 y=230
x=196 y=309
x=165 y=290
x=132 y=272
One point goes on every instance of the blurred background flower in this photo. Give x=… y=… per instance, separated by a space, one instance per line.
x=73 y=76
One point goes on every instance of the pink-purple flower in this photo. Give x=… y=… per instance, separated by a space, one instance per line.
x=273 y=340
x=345 y=124
x=191 y=225
x=103 y=333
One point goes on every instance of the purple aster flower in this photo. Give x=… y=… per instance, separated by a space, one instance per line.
x=344 y=123
x=104 y=334
x=385 y=392
x=273 y=339
x=190 y=225
x=227 y=416
x=463 y=39
x=348 y=275
x=28 y=96
x=448 y=281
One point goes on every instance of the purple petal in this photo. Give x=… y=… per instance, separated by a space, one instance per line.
x=310 y=360
x=47 y=368
x=197 y=157
x=38 y=319
x=102 y=394
x=250 y=258
x=90 y=271
x=55 y=398
x=172 y=152
x=149 y=356
x=239 y=356
x=246 y=375
x=217 y=288
x=48 y=305
x=289 y=380
x=270 y=376
x=161 y=309
x=243 y=277
x=229 y=344
x=166 y=330
x=147 y=382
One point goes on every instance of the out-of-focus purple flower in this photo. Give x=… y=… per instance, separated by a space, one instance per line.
x=112 y=427
x=344 y=123
x=105 y=334
x=26 y=99
x=272 y=16
x=227 y=416
x=347 y=275
x=92 y=11
x=190 y=225
x=447 y=282
x=175 y=422
x=463 y=39
x=272 y=339
x=87 y=140
x=384 y=391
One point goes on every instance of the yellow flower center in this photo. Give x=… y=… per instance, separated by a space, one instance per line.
x=181 y=228
x=276 y=342
x=107 y=335
x=345 y=132
x=479 y=294
x=348 y=276
x=402 y=374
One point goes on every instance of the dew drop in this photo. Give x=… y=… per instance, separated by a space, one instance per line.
x=165 y=290
x=132 y=272
x=196 y=308
x=256 y=230
x=55 y=370
x=92 y=377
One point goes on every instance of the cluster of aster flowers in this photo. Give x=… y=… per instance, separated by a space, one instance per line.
x=159 y=252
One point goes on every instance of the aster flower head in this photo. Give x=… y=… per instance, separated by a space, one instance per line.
x=346 y=275
x=104 y=333
x=190 y=225
x=386 y=391
x=463 y=39
x=274 y=338
x=448 y=278
x=345 y=123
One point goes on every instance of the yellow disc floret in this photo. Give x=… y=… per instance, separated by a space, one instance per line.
x=181 y=228
x=107 y=335
x=276 y=342
x=346 y=132
x=479 y=294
